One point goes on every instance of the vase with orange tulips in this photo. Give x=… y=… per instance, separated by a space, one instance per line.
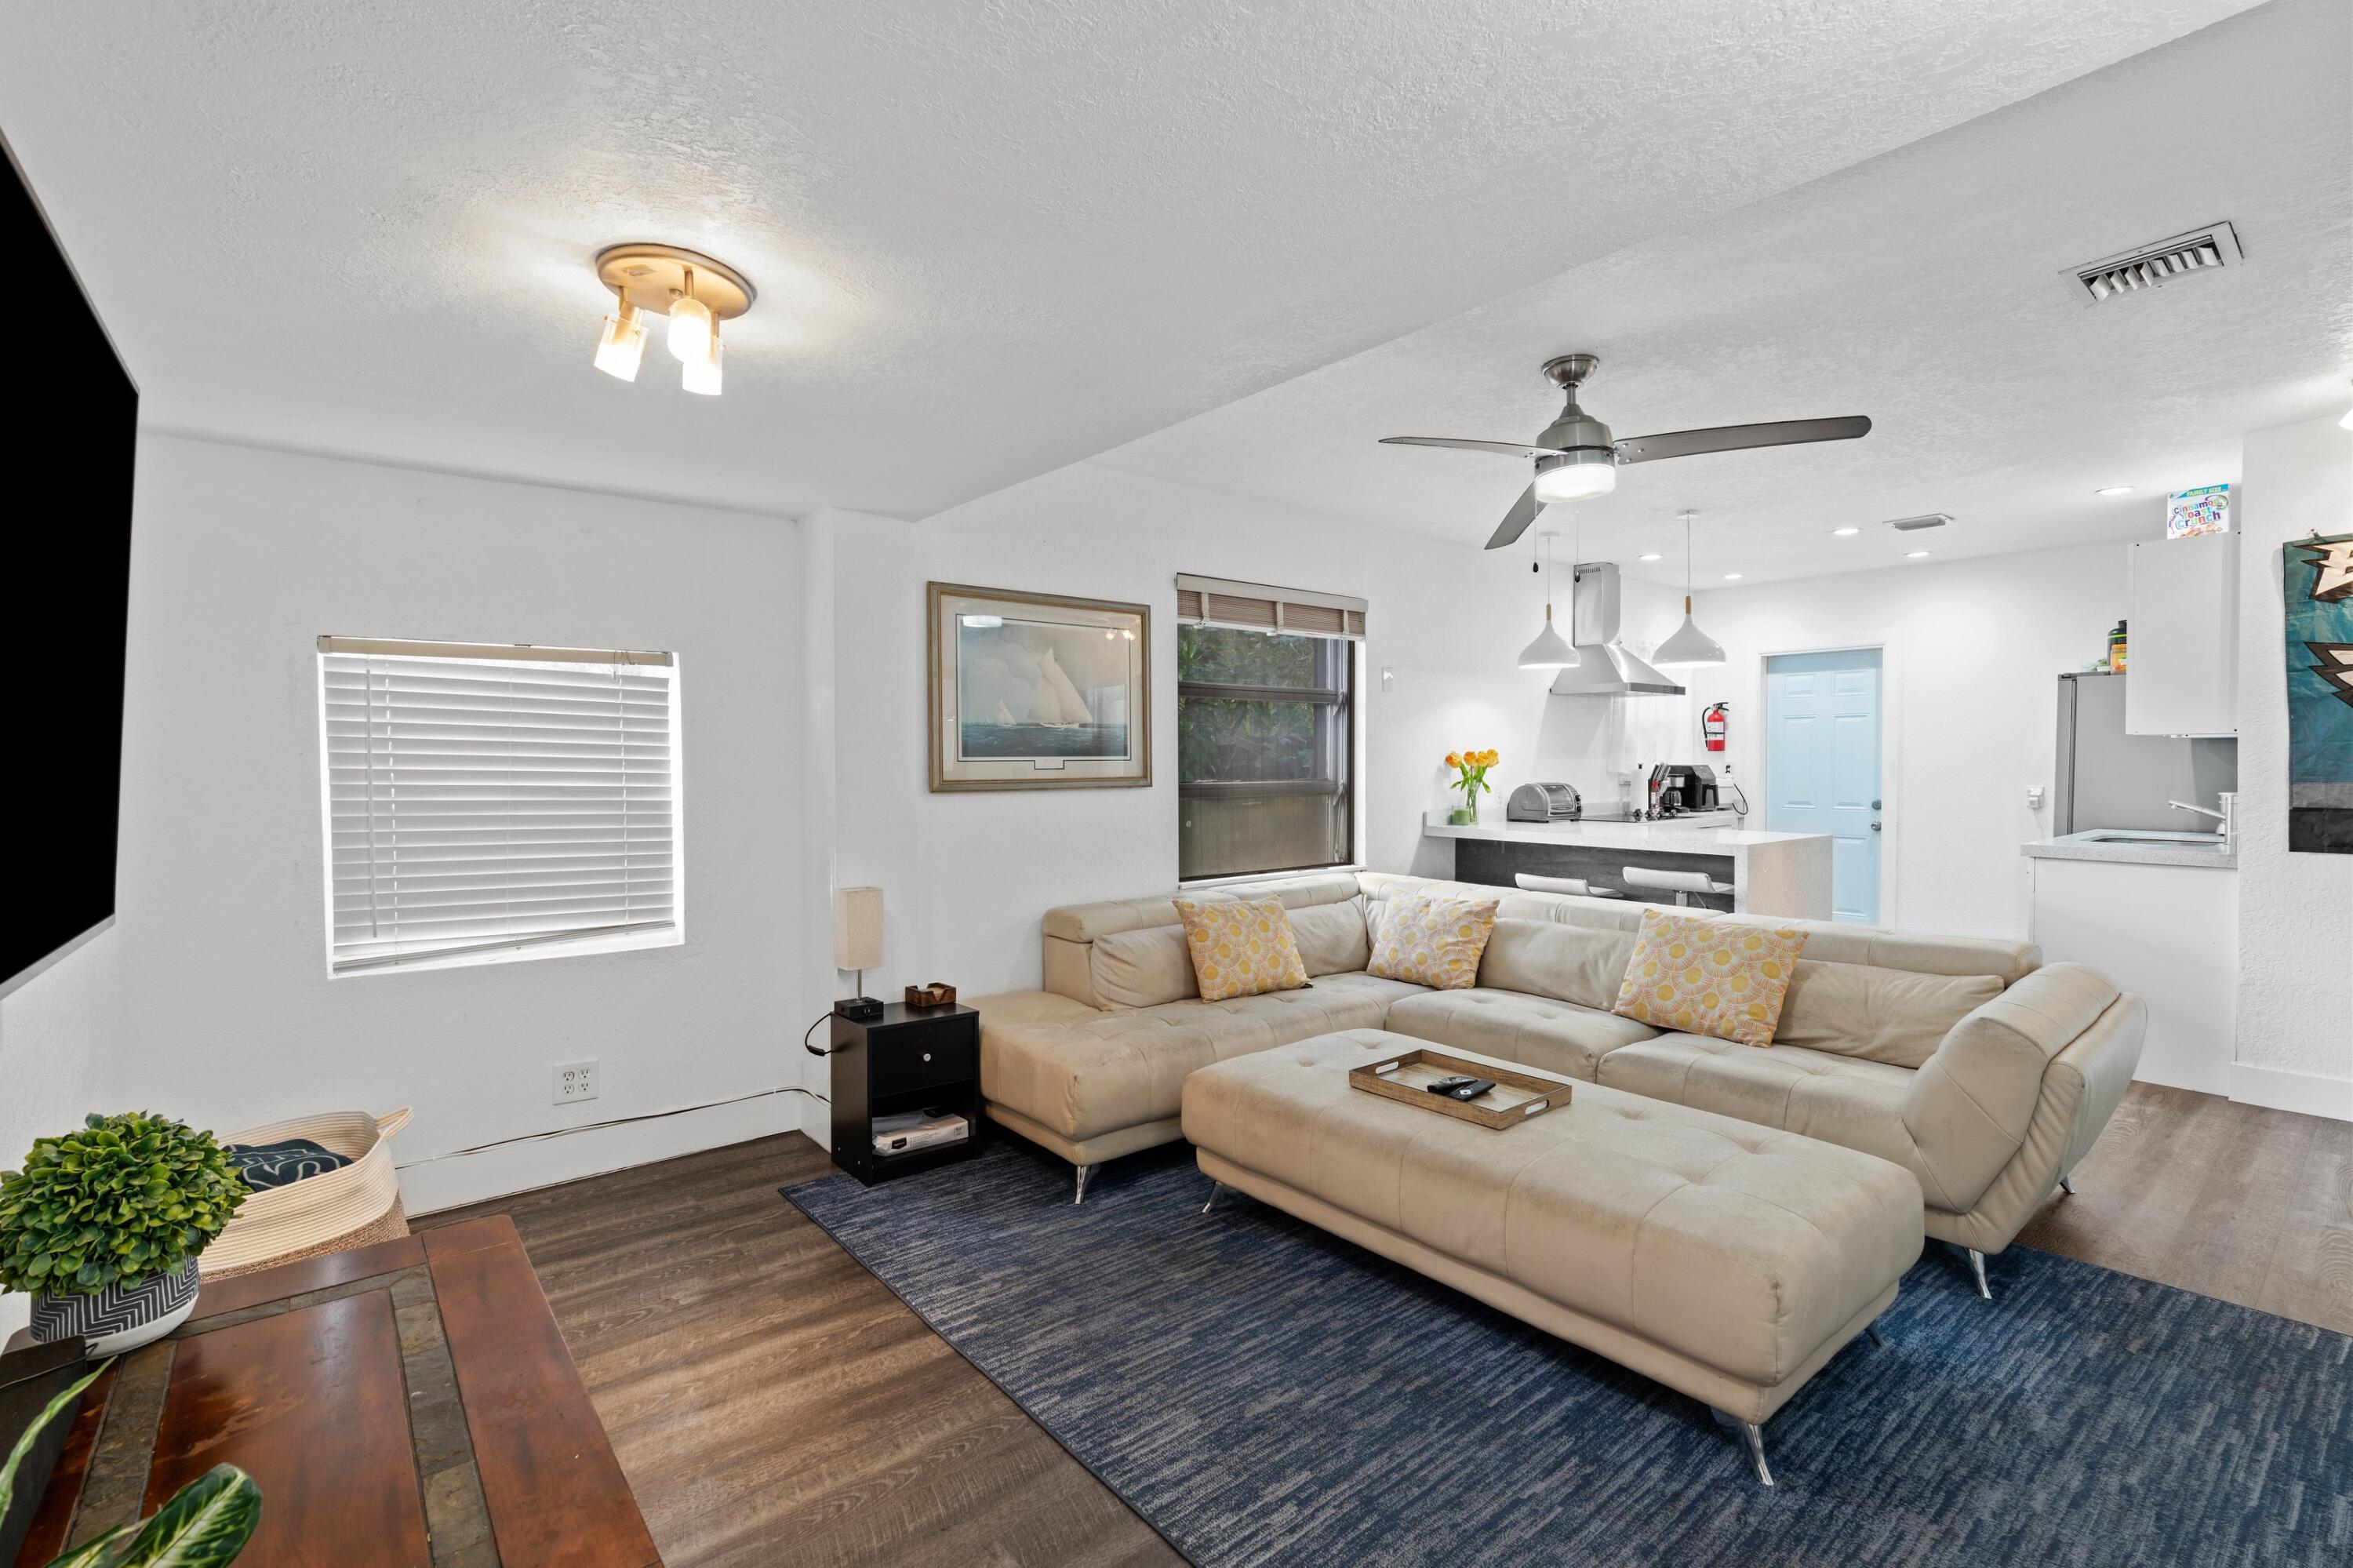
x=1470 y=777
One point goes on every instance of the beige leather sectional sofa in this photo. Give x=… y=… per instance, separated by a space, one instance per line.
x=1983 y=1071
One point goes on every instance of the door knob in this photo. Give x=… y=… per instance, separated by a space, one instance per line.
x=1874 y=827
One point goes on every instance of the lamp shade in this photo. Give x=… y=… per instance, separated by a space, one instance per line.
x=858 y=927
x=1550 y=650
x=1689 y=645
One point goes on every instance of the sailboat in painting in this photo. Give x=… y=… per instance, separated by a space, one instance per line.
x=1057 y=705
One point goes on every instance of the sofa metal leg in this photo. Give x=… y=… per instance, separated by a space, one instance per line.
x=1752 y=1437
x=1877 y=1338
x=2067 y=1185
x=1085 y=1174
x=1977 y=1266
x=1216 y=1191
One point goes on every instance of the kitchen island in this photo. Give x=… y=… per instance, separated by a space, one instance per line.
x=1770 y=874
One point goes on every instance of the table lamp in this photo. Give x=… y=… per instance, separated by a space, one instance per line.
x=858 y=946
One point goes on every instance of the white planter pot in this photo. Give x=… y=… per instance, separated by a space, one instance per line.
x=118 y=1317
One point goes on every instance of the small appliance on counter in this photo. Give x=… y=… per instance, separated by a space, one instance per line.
x=1680 y=789
x=1544 y=803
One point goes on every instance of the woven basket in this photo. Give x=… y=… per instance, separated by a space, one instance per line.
x=351 y=1207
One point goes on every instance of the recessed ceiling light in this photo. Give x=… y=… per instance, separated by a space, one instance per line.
x=1913 y=555
x=1652 y=557
x=1732 y=577
x=1842 y=532
x=2113 y=489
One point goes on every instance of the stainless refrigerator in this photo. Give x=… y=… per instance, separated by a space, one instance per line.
x=2107 y=779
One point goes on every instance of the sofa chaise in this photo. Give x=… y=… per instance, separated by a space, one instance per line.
x=1984 y=1071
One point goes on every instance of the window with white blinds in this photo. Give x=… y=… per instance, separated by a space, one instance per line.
x=492 y=800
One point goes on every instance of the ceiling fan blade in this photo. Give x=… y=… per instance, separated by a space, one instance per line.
x=1516 y=522
x=1733 y=437
x=1509 y=449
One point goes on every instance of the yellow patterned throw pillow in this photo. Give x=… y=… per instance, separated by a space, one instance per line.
x=1709 y=977
x=1242 y=947
x=1433 y=941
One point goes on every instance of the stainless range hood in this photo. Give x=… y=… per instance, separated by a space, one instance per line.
x=1603 y=668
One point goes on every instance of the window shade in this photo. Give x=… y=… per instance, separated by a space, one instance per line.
x=1258 y=607
x=481 y=799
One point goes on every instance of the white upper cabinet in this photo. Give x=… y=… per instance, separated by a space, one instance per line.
x=2182 y=646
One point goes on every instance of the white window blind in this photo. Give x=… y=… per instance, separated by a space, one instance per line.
x=483 y=799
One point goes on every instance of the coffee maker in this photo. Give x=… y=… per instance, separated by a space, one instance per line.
x=1679 y=789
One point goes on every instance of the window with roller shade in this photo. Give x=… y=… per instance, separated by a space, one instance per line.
x=1266 y=708
x=487 y=802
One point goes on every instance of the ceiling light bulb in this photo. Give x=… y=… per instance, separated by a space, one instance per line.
x=623 y=343
x=1913 y=555
x=690 y=329
x=2127 y=489
x=1576 y=475
x=702 y=375
x=1652 y=557
x=1732 y=577
x=1845 y=533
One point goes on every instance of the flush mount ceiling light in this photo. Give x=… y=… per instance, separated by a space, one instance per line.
x=1689 y=645
x=2113 y=489
x=1550 y=650
x=1845 y=533
x=1915 y=555
x=695 y=292
x=1652 y=555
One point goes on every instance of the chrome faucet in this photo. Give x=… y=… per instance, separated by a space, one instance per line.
x=2225 y=820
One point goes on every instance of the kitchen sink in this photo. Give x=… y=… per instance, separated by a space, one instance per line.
x=2152 y=836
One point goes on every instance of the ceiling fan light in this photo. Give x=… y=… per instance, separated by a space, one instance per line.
x=1550 y=650
x=1576 y=475
x=1689 y=645
x=622 y=344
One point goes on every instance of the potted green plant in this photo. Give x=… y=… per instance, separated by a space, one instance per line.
x=205 y=1523
x=102 y=1227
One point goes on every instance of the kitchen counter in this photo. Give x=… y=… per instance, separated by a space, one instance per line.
x=1771 y=874
x=2150 y=847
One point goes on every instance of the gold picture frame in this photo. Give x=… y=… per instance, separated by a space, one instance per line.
x=1037 y=691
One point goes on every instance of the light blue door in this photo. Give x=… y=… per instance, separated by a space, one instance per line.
x=1822 y=765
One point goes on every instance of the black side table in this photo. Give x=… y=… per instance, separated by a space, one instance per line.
x=910 y=1059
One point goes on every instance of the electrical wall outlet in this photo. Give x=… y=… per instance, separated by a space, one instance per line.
x=574 y=1081
x=2034 y=797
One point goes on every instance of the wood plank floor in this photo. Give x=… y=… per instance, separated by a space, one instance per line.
x=771 y=1401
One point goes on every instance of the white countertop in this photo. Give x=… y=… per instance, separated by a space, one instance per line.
x=2157 y=848
x=1670 y=837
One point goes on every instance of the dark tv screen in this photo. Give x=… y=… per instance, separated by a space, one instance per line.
x=73 y=433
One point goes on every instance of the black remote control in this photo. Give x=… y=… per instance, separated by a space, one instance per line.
x=1472 y=1090
x=1447 y=1085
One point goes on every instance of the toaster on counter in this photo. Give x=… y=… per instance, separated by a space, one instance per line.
x=1544 y=803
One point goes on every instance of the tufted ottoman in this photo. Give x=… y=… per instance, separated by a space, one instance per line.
x=1726 y=1260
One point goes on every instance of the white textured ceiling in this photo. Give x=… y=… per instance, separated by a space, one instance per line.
x=990 y=238
x=1922 y=288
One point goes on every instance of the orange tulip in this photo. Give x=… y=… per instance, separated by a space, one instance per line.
x=1453 y=759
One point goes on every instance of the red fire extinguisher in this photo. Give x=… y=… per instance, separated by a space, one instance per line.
x=1711 y=725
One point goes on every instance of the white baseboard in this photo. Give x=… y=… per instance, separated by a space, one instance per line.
x=2314 y=1094
x=454 y=1181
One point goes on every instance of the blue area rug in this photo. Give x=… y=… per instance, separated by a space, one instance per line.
x=1263 y=1393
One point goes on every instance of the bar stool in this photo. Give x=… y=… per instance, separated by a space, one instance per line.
x=1681 y=884
x=1577 y=885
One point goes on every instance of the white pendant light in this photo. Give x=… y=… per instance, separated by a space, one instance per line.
x=1576 y=475
x=623 y=343
x=1689 y=645
x=1550 y=650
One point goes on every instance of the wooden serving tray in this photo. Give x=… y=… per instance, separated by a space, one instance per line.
x=1517 y=1095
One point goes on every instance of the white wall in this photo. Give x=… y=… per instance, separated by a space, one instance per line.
x=2296 y=911
x=60 y=1032
x=242 y=559
x=966 y=876
x=1973 y=649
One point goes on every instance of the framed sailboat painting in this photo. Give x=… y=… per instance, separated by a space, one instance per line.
x=1033 y=691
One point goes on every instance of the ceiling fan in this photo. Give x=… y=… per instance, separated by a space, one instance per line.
x=1576 y=457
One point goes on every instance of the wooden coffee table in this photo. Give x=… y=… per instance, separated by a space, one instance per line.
x=406 y=1404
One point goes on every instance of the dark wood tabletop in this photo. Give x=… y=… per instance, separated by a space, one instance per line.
x=408 y=1405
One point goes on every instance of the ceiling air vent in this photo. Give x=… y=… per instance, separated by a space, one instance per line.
x=1912 y=525
x=2154 y=266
